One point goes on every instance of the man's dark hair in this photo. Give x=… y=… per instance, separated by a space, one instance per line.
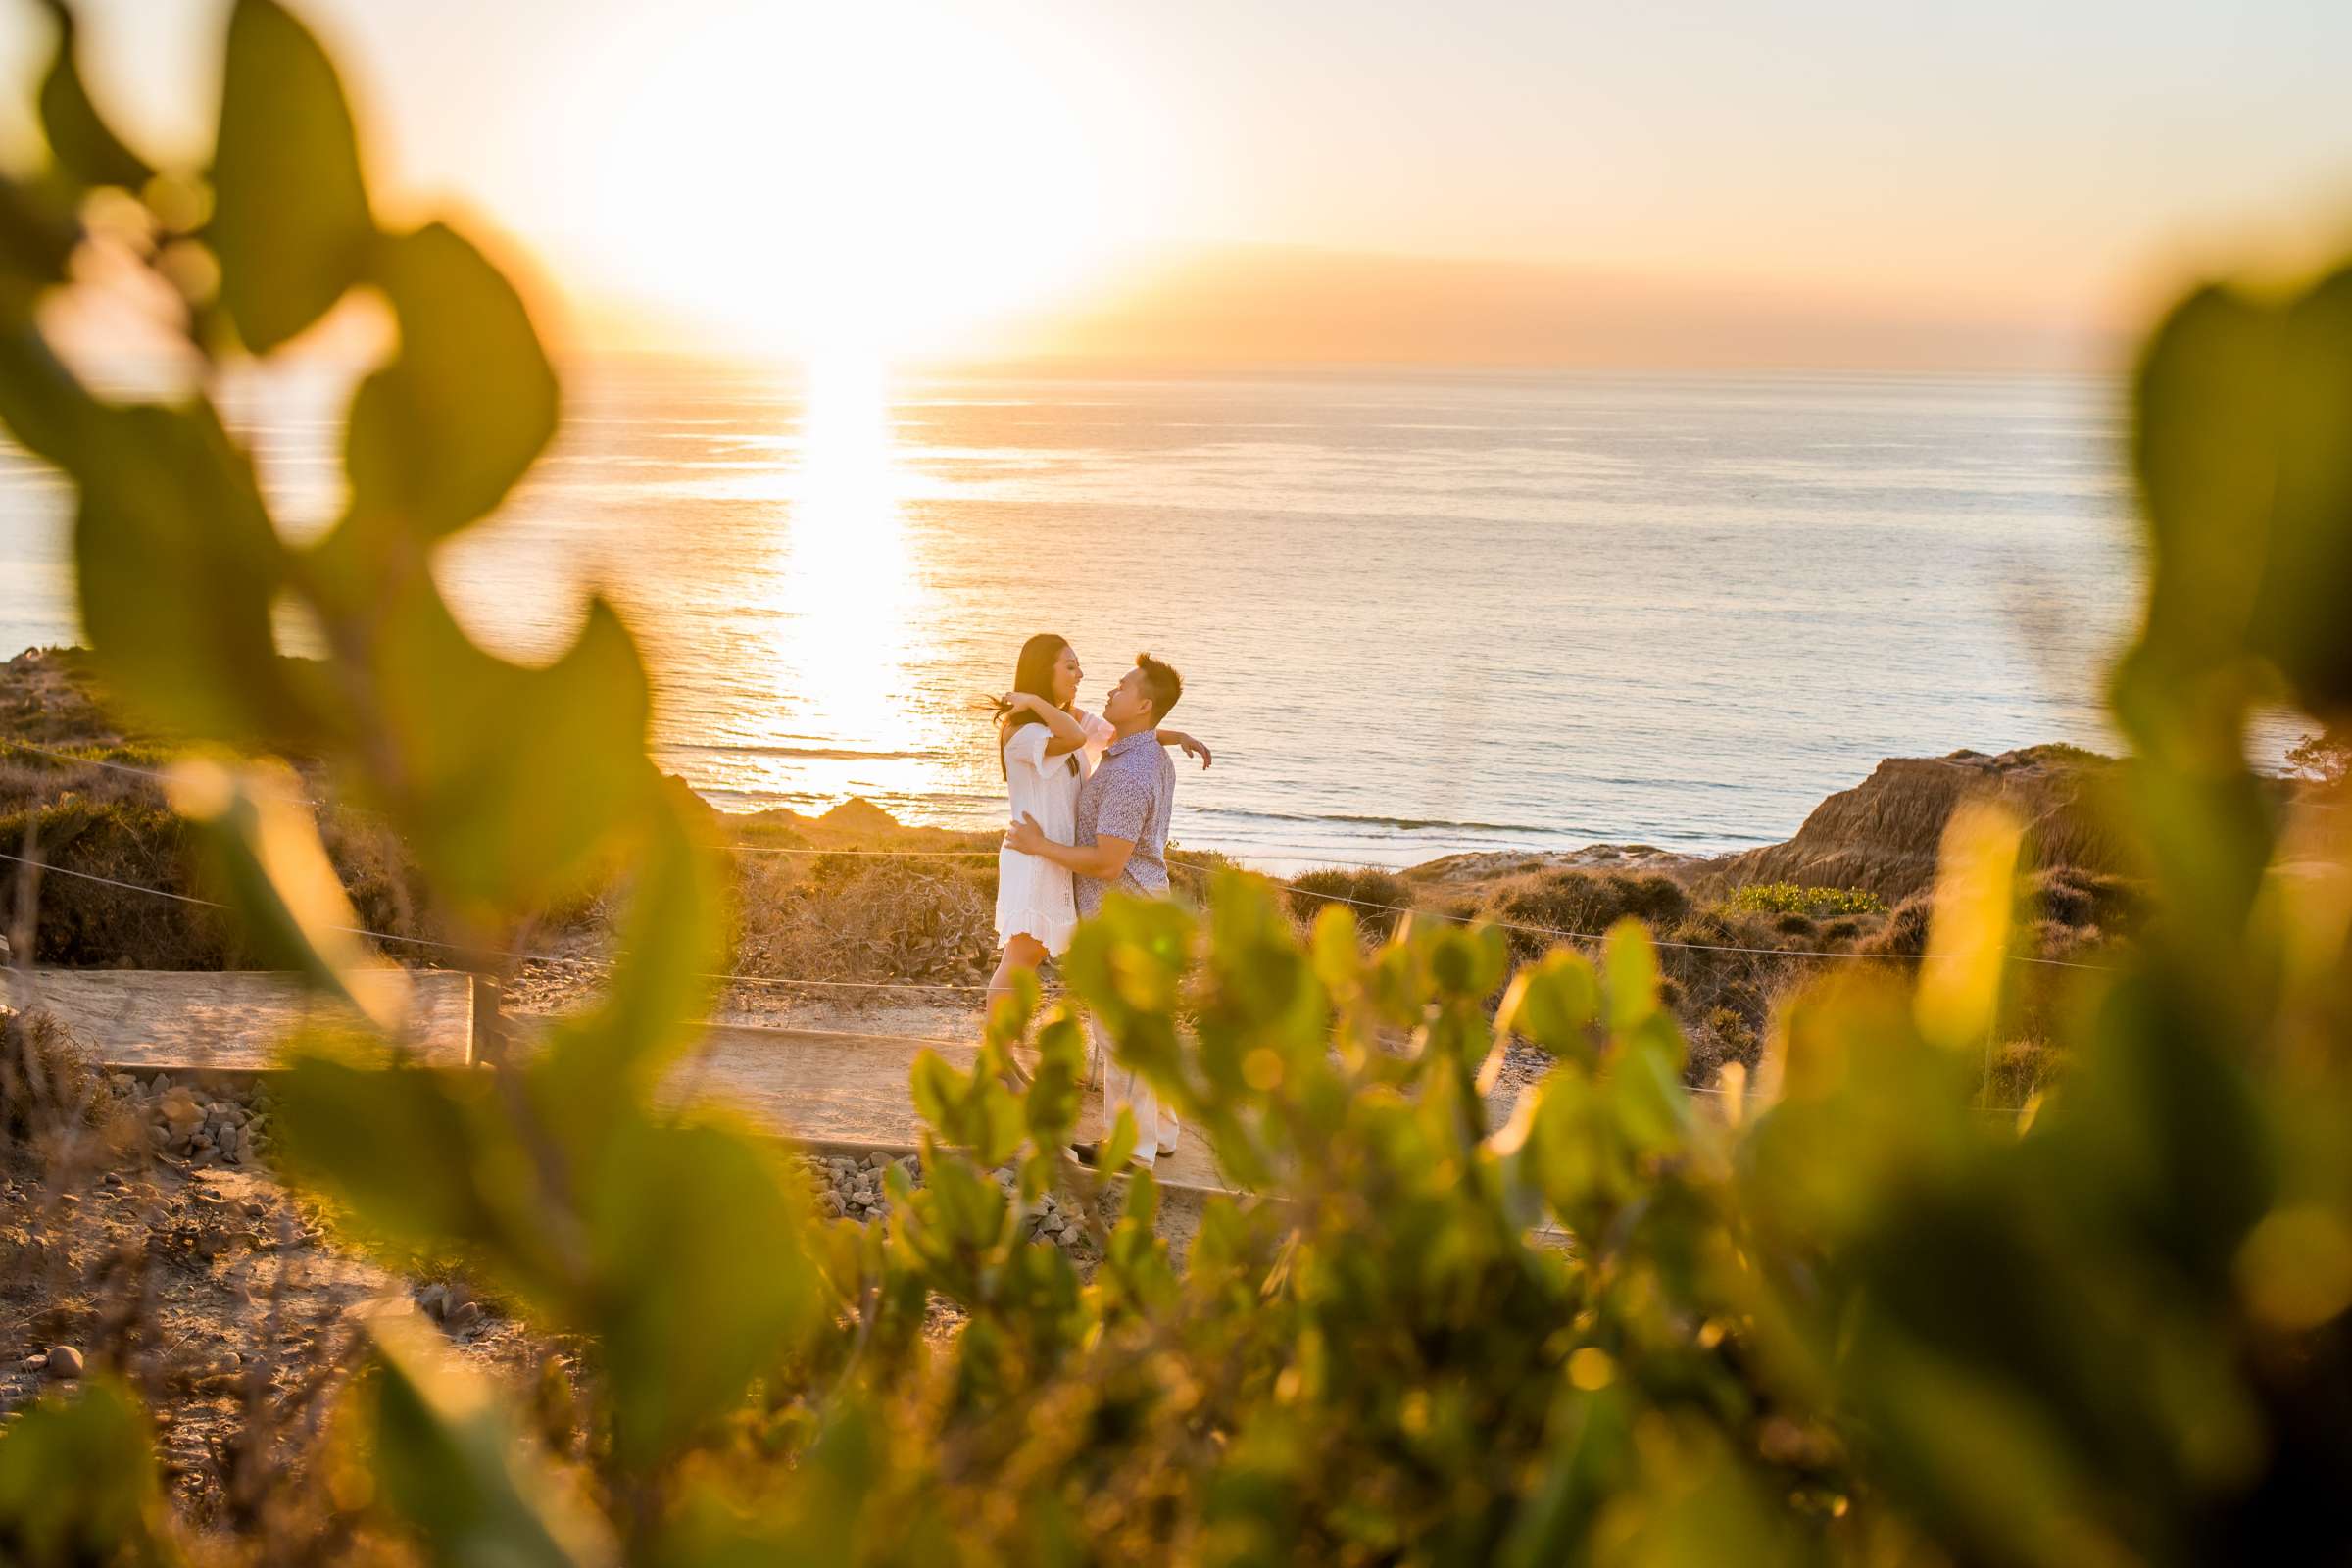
x=1161 y=683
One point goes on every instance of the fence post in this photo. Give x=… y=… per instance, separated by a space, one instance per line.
x=486 y=1045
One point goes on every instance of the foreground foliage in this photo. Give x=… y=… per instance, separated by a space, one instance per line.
x=1855 y=1318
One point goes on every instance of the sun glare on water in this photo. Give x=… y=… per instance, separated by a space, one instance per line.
x=845 y=595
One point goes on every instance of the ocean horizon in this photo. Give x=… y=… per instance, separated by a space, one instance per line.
x=1418 y=611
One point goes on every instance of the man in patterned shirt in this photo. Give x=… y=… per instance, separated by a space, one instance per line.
x=1121 y=840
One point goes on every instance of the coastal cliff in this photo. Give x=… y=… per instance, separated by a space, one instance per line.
x=1881 y=835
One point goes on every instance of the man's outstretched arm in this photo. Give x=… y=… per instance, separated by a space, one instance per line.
x=1104 y=859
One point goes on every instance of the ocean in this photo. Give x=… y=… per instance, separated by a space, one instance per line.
x=1416 y=611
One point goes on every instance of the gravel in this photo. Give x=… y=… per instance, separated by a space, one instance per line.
x=204 y=1124
x=208 y=1124
x=850 y=1187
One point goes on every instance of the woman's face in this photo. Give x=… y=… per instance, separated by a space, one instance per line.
x=1066 y=676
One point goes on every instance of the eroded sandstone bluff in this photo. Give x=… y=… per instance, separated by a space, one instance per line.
x=1883 y=833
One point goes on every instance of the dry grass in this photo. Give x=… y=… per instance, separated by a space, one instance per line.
x=840 y=916
x=1377 y=899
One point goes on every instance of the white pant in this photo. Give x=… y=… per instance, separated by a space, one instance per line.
x=1155 y=1125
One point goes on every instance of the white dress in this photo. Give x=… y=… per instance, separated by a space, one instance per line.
x=1034 y=896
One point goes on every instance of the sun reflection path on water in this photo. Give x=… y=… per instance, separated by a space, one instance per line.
x=843 y=587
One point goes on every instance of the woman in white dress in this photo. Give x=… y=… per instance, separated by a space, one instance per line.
x=1046 y=746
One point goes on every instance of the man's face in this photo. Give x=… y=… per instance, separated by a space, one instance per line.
x=1128 y=703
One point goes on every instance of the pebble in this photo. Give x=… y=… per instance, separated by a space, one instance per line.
x=225 y=1127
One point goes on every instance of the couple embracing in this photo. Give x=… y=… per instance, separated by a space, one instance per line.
x=1091 y=797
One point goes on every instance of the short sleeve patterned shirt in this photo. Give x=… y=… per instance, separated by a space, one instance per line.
x=1131 y=795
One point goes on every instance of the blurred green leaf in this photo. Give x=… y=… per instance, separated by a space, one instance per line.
x=77 y=1482
x=2206 y=447
x=78 y=135
x=265 y=851
x=673 y=937
x=1119 y=1147
x=2298 y=620
x=290 y=221
x=1055 y=1090
x=484 y=744
x=973 y=1109
x=438 y=436
x=450 y=1464
x=178 y=563
x=1962 y=980
x=1631 y=964
x=2248 y=482
x=45 y=407
x=702 y=1273
x=423 y=1161
x=1553 y=1004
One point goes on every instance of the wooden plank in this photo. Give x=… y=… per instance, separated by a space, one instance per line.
x=852 y=1090
x=837 y=1088
x=226 y=1020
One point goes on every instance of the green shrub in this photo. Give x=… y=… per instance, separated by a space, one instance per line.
x=1584 y=903
x=1379 y=899
x=1815 y=903
x=1905 y=933
x=2070 y=896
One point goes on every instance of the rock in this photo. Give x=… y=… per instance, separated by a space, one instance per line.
x=463 y=1316
x=1883 y=833
x=434 y=1299
x=830 y=1202
x=64 y=1363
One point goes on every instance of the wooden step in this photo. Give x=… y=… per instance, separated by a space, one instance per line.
x=185 y=1020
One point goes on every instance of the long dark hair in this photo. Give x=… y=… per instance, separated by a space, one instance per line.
x=1032 y=672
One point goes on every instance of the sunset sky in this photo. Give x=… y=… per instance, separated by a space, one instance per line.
x=1578 y=181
